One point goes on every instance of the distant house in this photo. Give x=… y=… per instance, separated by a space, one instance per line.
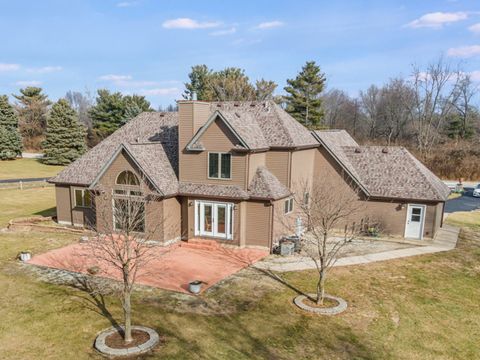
x=227 y=171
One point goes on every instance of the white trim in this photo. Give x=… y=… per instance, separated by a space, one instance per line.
x=229 y=219
x=61 y=222
x=422 y=225
x=290 y=199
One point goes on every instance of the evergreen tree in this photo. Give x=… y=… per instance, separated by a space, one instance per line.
x=264 y=89
x=32 y=111
x=229 y=84
x=112 y=110
x=65 y=136
x=10 y=140
x=304 y=102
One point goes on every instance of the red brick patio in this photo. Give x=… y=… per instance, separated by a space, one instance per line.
x=173 y=269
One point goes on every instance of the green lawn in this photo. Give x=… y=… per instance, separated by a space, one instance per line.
x=27 y=168
x=417 y=308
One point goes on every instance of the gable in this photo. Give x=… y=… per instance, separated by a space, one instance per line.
x=219 y=137
x=120 y=162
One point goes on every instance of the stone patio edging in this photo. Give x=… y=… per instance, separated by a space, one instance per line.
x=335 y=310
x=102 y=347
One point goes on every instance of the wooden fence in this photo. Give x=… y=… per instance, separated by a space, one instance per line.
x=23 y=185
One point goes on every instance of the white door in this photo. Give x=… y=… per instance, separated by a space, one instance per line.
x=415 y=221
x=214 y=219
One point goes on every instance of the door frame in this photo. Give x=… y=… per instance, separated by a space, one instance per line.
x=422 y=225
x=199 y=205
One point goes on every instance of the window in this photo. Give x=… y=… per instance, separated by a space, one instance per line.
x=219 y=165
x=83 y=198
x=127 y=192
x=306 y=198
x=129 y=215
x=288 y=206
x=127 y=178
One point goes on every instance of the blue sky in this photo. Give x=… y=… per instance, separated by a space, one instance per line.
x=148 y=46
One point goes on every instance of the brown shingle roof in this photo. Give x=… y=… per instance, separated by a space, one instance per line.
x=212 y=190
x=146 y=128
x=265 y=185
x=384 y=172
x=393 y=172
x=263 y=124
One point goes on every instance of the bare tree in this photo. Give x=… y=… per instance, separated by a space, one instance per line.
x=370 y=101
x=432 y=102
x=464 y=93
x=331 y=217
x=126 y=245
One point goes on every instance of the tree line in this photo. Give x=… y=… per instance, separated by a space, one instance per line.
x=433 y=112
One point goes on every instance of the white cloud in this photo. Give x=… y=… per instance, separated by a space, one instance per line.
x=232 y=30
x=160 y=91
x=114 y=77
x=464 y=51
x=437 y=19
x=45 y=69
x=28 y=83
x=124 y=4
x=475 y=28
x=269 y=25
x=8 y=67
x=475 y=75
x=187 y=23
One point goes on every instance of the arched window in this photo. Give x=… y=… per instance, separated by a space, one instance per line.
x=127 y=178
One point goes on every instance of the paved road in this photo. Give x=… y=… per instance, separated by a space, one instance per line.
x=464 y=203
x=9 y=181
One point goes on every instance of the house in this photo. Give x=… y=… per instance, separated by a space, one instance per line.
x=228 y=171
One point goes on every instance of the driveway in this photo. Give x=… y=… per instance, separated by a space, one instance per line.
x=172 y=268
x=464 y=203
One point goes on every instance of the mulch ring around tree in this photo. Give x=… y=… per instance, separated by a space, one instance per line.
x=110 y=342
x=332 y=305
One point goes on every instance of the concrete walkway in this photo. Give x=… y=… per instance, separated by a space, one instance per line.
x=446 y=239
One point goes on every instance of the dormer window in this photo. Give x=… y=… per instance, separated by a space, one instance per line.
x=219 y=166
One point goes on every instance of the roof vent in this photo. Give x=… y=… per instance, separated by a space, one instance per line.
x=236 y=104
x=237 y=114
x=219 y=105
x=385 y=150
x=162 y=114
x=358 y=150
x=137 y=140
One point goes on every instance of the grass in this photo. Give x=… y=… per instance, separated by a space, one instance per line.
x=424 y=307
x=27 y=168
x=454 y=195
x=470 y=219
x=20 y=203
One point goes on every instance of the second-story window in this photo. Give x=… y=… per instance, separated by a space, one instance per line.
x=219 y=165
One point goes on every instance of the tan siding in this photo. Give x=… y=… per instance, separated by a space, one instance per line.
x=302 y=169
x=258 y=227
x=64 y=209
x=278 y=164
x=438 y=217
x=254 y=161
x=172 y=221
x=215 y=139
x=191 y=115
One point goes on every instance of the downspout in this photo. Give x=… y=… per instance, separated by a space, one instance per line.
x=272 y=216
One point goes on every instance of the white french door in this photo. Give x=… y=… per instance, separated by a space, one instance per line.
x=214 y=219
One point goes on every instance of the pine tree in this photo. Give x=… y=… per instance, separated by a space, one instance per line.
x=65 y=136
x=304 y=102
x=32 y=111
x=112 y=110
x=10 y=140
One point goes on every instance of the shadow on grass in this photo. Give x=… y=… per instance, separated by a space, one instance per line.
x=47 y=212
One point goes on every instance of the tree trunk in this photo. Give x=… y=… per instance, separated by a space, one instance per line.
x=127 y=316
x=321 y=288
